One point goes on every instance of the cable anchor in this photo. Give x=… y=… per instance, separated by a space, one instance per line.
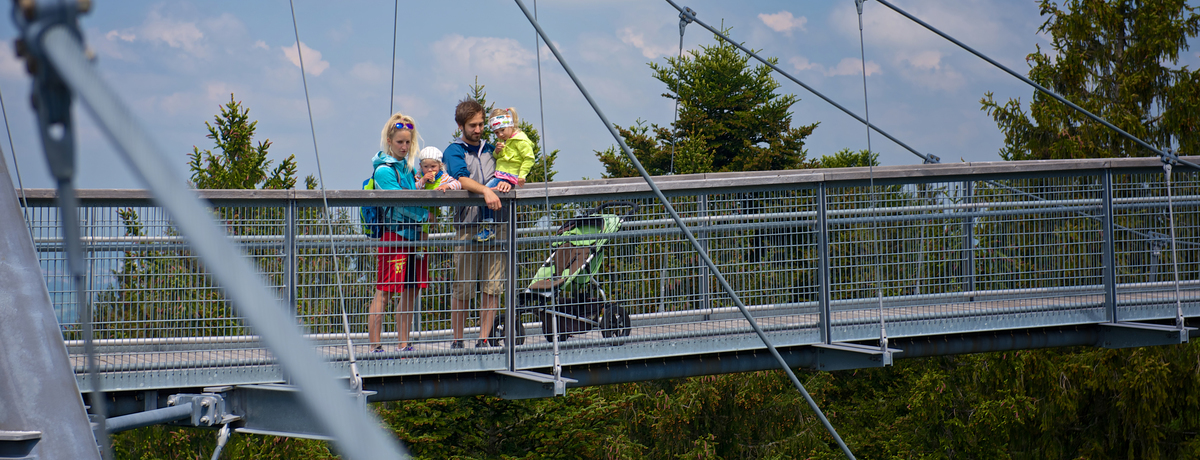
x=686 y=16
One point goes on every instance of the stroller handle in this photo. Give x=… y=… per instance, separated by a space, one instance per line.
x=633 y=208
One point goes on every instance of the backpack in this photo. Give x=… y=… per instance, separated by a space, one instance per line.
x=375 y=218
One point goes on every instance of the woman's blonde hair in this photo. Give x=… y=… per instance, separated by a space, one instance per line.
x=390 y=130
x=510 y=112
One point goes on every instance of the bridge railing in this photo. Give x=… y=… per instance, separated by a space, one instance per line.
x=818 y=256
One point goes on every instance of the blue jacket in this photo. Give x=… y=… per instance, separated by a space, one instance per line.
x=401 y=177
x=462 y=161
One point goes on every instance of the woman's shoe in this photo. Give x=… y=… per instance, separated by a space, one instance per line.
x=408 y=348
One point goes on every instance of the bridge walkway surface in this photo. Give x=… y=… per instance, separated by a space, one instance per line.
x=939 y=259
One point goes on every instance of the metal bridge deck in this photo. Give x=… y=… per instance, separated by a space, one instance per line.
x=956 y=249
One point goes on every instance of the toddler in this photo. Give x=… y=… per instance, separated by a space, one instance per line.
x=514 y=159
x=433 y=177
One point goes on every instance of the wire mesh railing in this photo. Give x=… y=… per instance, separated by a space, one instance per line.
x=959 y=249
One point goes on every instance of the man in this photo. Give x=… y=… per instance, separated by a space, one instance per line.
x=469 y=160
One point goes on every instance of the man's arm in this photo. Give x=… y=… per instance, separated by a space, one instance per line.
x=489 y=197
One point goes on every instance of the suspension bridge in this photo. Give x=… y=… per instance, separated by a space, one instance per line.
x=977 y=257
x=247 y=310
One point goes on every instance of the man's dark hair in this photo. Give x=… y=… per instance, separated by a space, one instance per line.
x=466 y=109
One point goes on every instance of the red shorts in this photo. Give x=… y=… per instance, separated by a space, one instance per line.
x=397 y=268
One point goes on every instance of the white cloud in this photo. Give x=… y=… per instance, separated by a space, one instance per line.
x=925 y=60
x=261 y=45
x=499 y=57
x=176 y=34
x=848 y=66
x=638 y=40
x=313 y=64
x=368 y=71
x=802 y=63
x=783 y=21
x=123 y=35
x=852 y=66
x=918 y=55
x=218 y=91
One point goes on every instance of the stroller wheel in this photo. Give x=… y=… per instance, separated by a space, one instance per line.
x=615 y=323
x=547 y=327
x=496 y=337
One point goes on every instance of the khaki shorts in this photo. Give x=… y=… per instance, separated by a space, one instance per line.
x=479 y=266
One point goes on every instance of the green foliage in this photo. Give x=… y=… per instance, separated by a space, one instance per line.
x=240 y=164
x=176 y=443
x=1111 y=57
x=730 y=119
x=584 y=424
x=844 y=158
x=1032 y=404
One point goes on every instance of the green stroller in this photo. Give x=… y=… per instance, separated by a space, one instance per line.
x=565 y=295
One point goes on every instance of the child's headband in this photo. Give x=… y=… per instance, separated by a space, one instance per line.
x=501 y=122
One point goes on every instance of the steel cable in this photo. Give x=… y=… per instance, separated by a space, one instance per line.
x=688 y=233
x=355 y=377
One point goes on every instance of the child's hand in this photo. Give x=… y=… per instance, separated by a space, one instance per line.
x=520 y=182
x=443 y=187
x=500 y=145
x=430 y=175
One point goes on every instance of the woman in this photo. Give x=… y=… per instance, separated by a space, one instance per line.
x=398 y=270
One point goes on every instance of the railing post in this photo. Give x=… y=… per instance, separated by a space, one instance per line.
x=510 y=288
x=969 y=240
x=89 y=259
x=825 y=315
x=705 y=281
x=289 y=257
x=1109 y=249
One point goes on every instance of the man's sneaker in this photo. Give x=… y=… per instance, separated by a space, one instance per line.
x=378 y=349
x=485 y=235
x=456 y=344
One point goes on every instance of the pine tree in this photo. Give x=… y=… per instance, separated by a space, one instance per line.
x=730 y=119
x=1113 y=58
x=240 y=164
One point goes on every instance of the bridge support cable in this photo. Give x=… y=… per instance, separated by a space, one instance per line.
x=927 y=158
x=1179 y=319
x=222 y=438
x=1094 y=117
x=883 y=341
x=355 y=376
x=560 y=383
x=52 y=102
x=688 y=233
x=357 y=433
x=684 y=20
x=395 y=28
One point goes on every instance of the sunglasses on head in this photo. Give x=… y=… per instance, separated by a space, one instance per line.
x=404 y=126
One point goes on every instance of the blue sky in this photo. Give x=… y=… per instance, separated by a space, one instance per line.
x=176 y=62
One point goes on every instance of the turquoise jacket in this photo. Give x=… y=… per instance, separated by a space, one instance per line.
x=393 y=174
